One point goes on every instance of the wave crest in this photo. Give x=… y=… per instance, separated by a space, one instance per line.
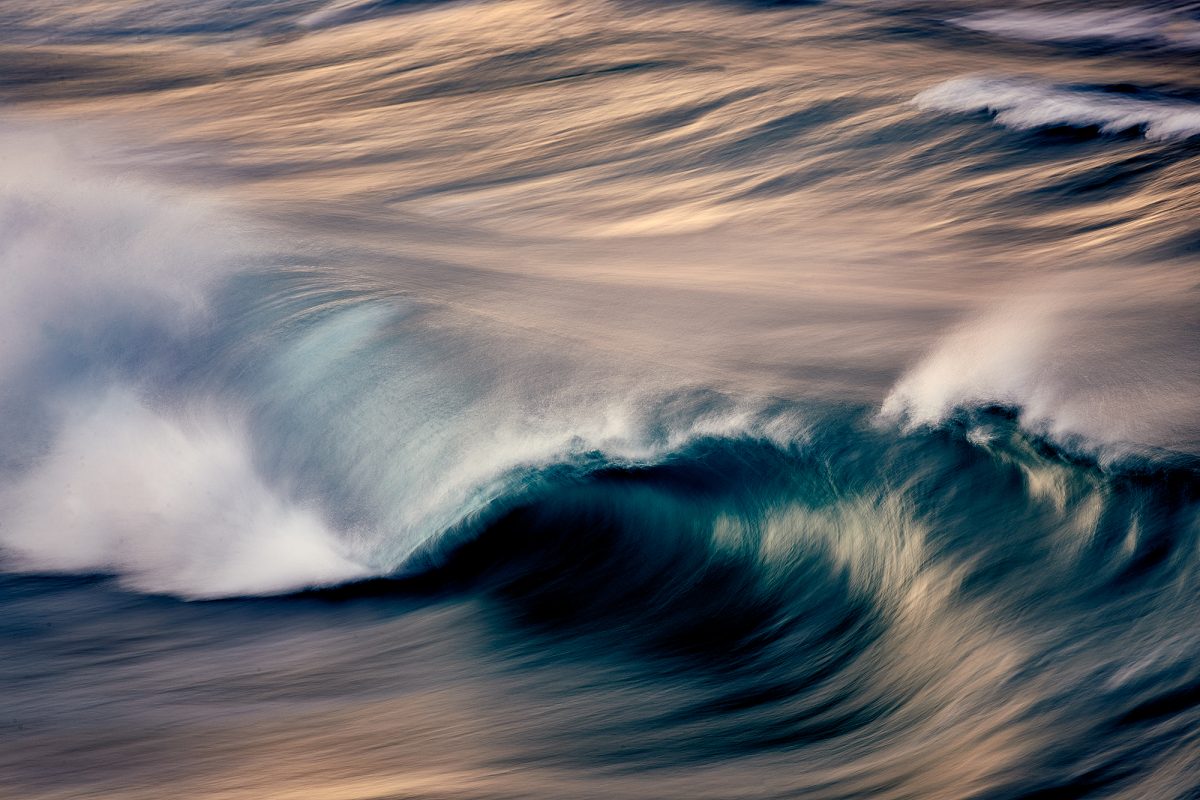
x=1071 y=354
x=1123 y=26
x=1028 y=103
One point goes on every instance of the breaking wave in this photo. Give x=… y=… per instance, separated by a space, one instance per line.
x=183 y=414
x=1027 y=104
x=598 y=400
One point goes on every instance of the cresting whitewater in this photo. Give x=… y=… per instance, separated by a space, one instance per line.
x=599 y=398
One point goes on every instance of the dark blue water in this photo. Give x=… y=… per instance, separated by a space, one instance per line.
x=598 y=399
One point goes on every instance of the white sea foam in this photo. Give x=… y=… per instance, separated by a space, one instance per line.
x=106 y=282
x=170 y=505
x=1072 y=355
x=1027 y=103
x=1133 y=26
x=79 y=249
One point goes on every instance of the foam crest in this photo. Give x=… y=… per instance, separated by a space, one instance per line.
x=1026 y=104
x=1080 y=356
x=172 y=506
x=81 y=250
x=1124 y=26
x=107 y=301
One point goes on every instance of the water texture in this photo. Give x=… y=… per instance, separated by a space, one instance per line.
x=599 y=398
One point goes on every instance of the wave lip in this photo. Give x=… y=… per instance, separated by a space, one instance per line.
x=1028 y=104
x=1126 y=26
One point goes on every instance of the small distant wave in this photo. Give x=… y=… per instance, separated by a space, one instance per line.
x=1122 y=26
x=341 y=12
x=335 y=13
x=1028 y=104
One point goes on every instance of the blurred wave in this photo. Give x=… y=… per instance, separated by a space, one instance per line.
x=599 y=399
x=1027 y=104
x=1130 y=26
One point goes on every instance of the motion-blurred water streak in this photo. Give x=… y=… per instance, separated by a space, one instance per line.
x=599 y=398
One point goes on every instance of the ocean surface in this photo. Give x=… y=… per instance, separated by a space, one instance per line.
x=573 y=399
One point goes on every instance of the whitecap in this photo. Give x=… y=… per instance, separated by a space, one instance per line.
x=1121 y=26
x=1027 y=103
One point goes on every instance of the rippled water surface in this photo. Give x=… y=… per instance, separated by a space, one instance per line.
x=593 y=399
